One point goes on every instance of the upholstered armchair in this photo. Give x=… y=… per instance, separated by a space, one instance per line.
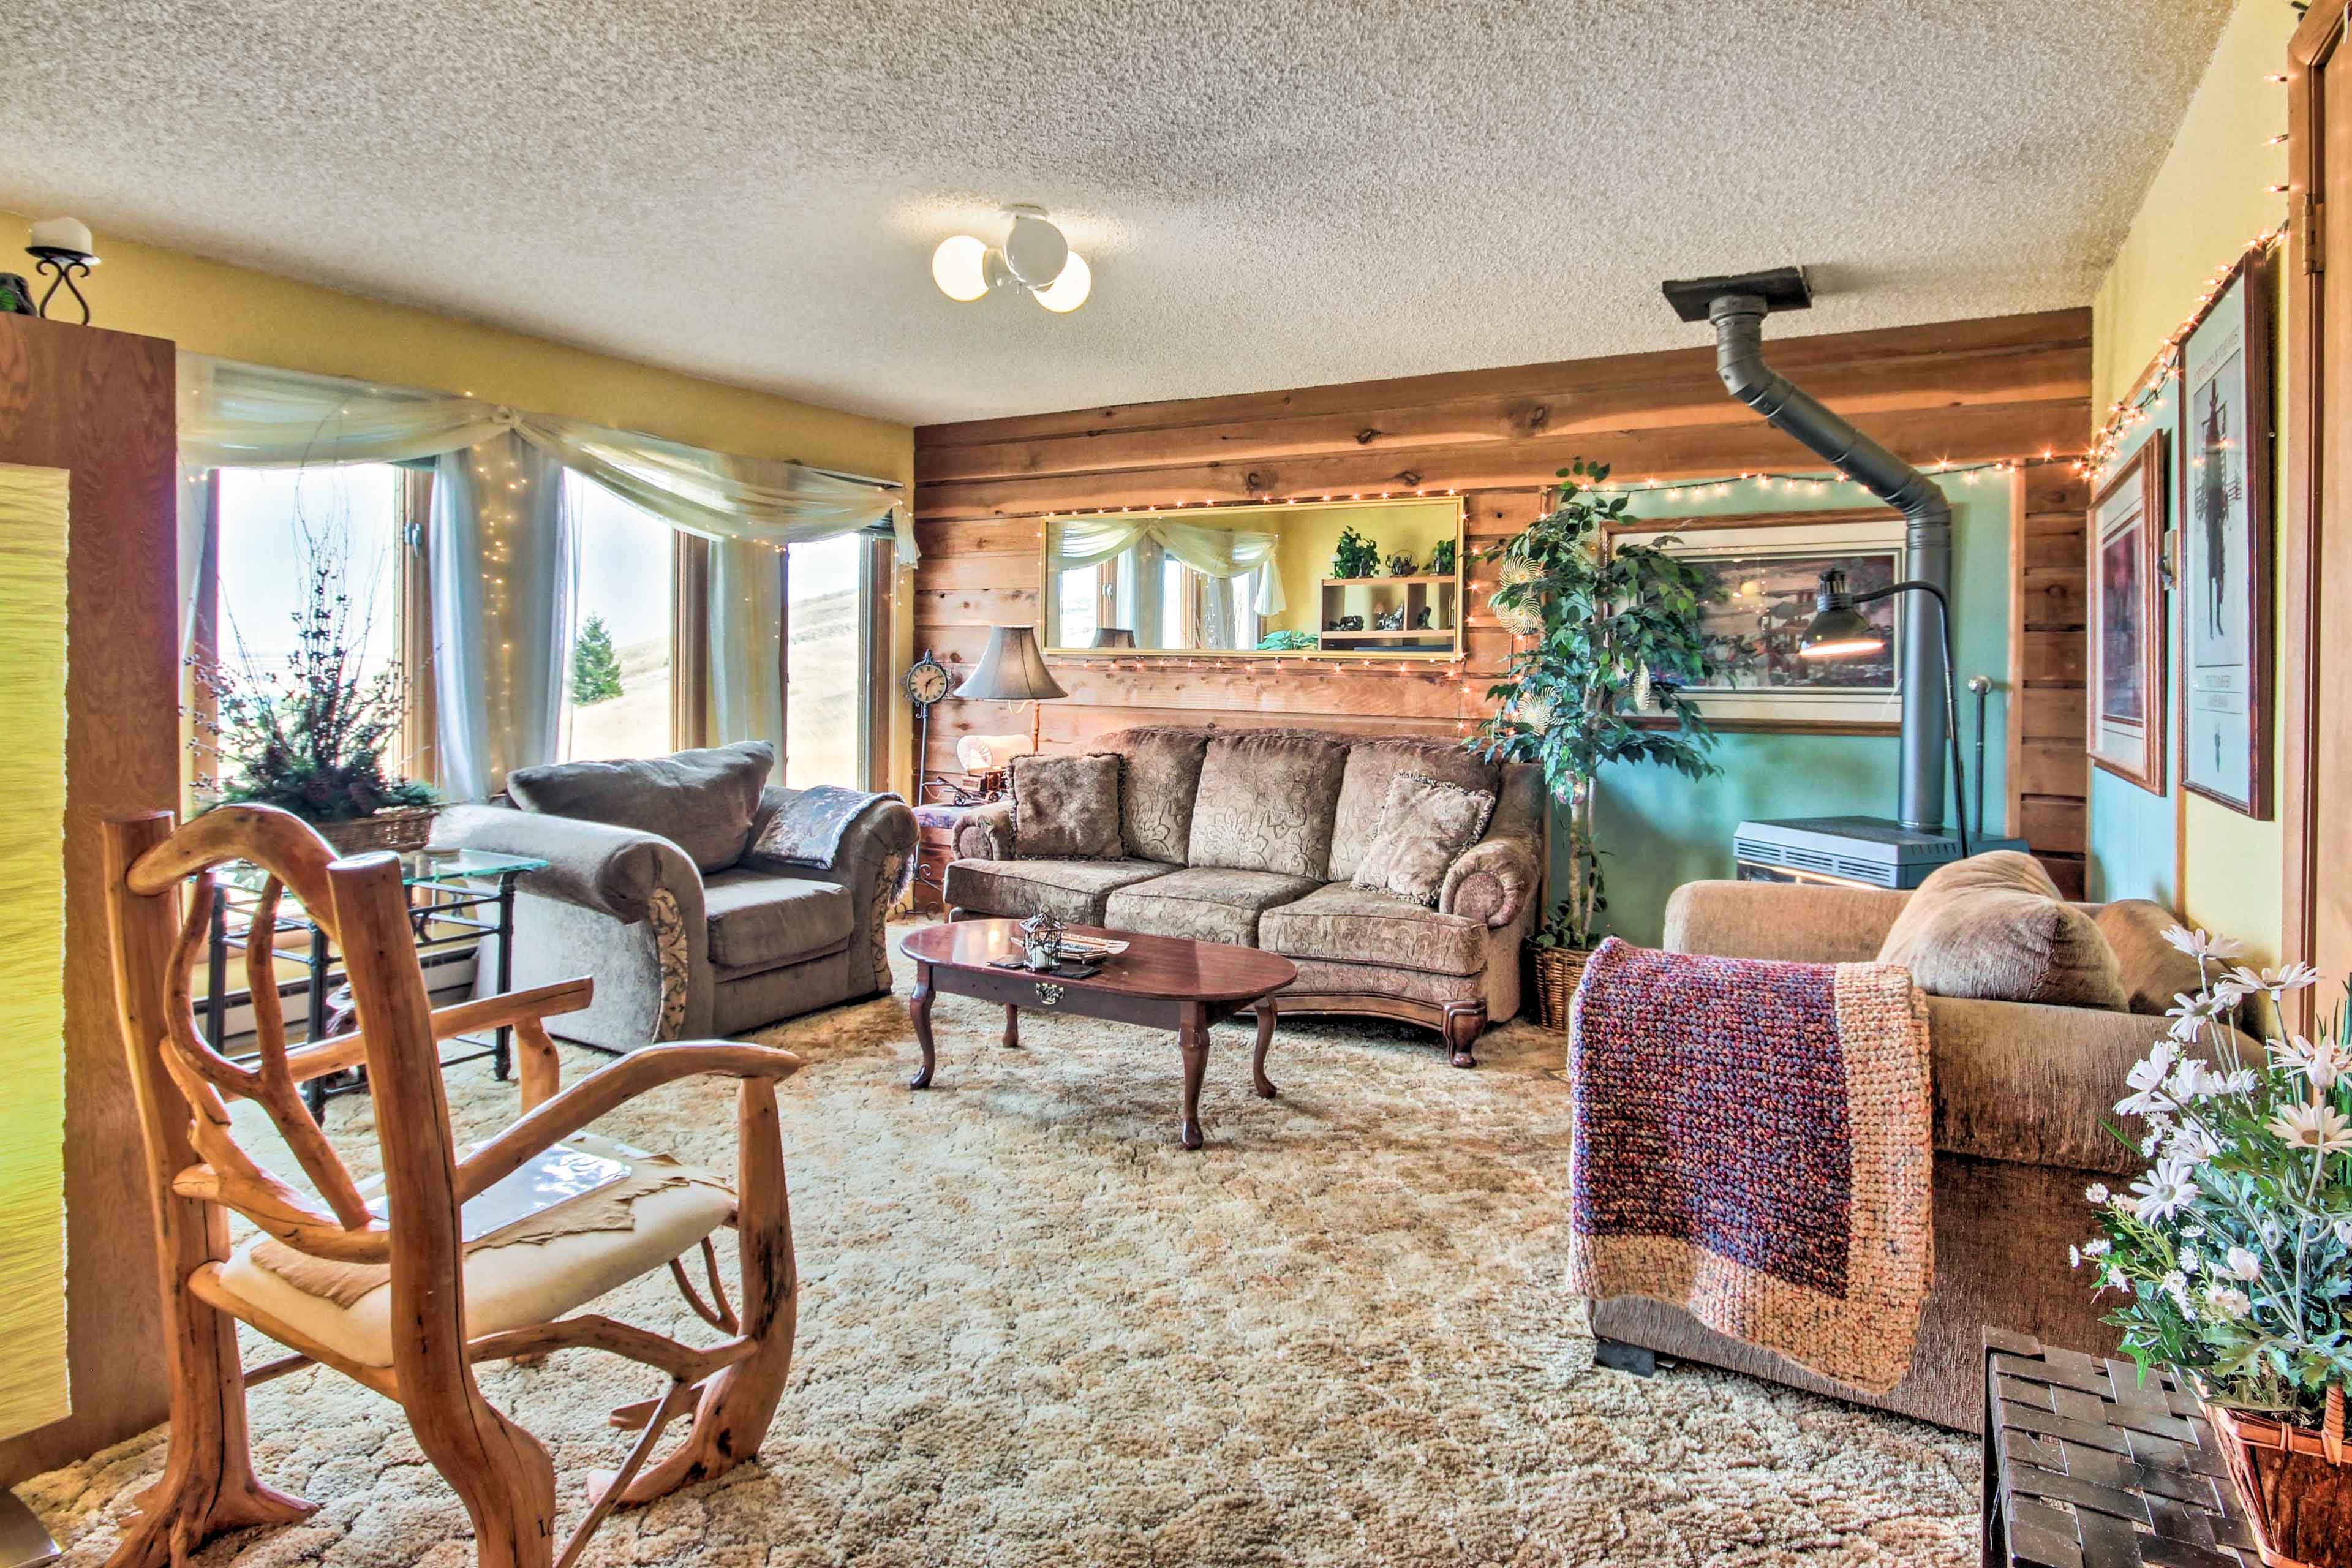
x=664 y=885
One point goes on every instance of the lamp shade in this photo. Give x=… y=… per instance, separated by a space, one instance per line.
x=1011 y=669
x=1114 y=637
x=1837 y=630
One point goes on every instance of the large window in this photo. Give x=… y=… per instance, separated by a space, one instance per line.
x=617 y=699
x=827 y=683
x=280 y=526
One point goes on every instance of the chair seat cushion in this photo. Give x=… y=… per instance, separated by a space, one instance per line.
x=1206 y=903
x=1072 y=892
x=533 y=1271
x=758 y=921
x=1349 y=924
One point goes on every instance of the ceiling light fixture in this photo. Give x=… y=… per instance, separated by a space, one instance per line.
x=1035 y=258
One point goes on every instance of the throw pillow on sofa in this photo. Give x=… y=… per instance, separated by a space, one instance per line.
x=1994 y=927
x=1424 y=827
x=1065 y=808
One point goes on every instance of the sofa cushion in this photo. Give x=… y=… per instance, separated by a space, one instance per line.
x=758 y=921
x=1070 y=890
x=1348 y=924
x=2153 y=971
x=1160 y=776
x=701 y=800
x=1206 y=903
x=1424 y=829
x=1065 y=808
x=1994 y=927
x=1266 y=803
x=1372 y=766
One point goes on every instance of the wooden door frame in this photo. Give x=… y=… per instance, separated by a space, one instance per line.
x=2301 y=539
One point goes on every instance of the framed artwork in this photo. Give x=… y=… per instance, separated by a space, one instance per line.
x=2125 y=532
x=1769 y=569
x=2225 y=588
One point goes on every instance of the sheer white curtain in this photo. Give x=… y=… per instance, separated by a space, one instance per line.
x=236 y=415
x=501 y=565
x=747 y=653
x=1218 y=553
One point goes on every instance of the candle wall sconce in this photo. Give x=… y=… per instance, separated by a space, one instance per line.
x=62 y=249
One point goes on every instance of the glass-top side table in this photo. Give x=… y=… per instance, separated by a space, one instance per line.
x=455 y=896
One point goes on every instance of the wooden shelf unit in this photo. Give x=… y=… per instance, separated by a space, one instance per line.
x=1440 y=595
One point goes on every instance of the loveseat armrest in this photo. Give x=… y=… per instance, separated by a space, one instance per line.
x=1493 y=879
x=2036 y=1085
x=614 y=871
x=986 y=833
x=1804 y=922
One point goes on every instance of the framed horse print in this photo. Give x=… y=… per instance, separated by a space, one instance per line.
x=2126 y=704
x=2225 y=546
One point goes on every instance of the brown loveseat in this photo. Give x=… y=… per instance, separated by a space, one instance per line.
x=2022 y=1092
x=1252 y=835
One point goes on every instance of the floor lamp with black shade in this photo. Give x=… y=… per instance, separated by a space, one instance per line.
x=1840 y=630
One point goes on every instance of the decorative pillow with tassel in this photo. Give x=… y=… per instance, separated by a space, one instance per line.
x=1424 y=827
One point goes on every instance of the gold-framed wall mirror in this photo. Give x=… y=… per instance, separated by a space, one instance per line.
x=1352 y=579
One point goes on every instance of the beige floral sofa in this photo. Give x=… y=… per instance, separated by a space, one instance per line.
x=1253 y=836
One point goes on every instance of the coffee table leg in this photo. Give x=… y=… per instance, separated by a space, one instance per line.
x=1192 y=1039
x=919 y=1005
x=1258 y=1080
x=1012 y=1027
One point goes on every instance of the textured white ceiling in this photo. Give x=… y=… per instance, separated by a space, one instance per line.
x=1273 y=193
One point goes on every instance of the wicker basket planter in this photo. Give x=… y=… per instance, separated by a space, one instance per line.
x=403 y=830
x=2296 y=1484
x=1557 y=972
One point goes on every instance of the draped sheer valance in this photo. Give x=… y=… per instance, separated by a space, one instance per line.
x=243 y=415
x=1080 y=542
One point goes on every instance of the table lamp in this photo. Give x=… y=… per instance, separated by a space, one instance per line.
x=1012 y=669
x=1114 y=637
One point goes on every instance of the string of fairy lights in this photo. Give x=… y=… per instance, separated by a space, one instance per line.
x=1454 y=670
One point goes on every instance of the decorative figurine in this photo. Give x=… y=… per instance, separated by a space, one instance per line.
x=1392 y=620
x=1402 y=565
x=1041 y=942
x=1347 y=624
x=1421 y=621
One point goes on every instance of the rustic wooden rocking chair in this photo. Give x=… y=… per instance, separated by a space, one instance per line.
x=412 y=1335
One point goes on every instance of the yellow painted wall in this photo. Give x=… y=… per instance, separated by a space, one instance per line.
x=1310 y=537
x=209 y=307
x=2208 y=199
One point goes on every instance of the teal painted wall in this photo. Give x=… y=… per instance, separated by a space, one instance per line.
x=1658 y=829
x=2133 y=842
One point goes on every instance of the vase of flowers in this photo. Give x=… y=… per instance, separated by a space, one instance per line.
x=1605 y=635
x=2231 y=1253
x=311 y=734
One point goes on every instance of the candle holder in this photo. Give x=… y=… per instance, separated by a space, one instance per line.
x=67 y=266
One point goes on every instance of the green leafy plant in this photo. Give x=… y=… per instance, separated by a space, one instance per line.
x=1609 y=633
x=596 y=666
x=2232 y=1252
x=1441 y=559
x=1357 y=557
x=311 y=737
x=1286 y=642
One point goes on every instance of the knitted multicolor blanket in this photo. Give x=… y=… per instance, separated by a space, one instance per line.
x=1753 y=1144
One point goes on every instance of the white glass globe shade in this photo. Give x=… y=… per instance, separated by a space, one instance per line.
x=1035 y=250
x=1070 y=290
x=959 y=268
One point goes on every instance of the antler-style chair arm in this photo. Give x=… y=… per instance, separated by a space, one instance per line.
x=607 y=1090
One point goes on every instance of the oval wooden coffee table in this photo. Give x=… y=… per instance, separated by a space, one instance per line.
x=1159 y=982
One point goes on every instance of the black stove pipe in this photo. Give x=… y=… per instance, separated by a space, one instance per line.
x=1737 y=307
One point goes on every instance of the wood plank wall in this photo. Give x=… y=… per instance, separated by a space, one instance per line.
x=2049 y=765
x=2012 y=387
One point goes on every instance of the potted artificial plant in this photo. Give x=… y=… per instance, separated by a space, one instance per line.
x=1606 y=633
x=311 y=736
x=2232 y=1251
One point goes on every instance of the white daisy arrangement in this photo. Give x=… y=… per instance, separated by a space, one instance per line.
x=2233 y=1249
